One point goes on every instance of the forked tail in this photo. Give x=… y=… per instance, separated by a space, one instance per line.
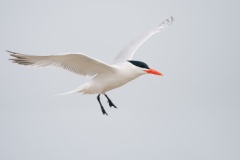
x=78 y=89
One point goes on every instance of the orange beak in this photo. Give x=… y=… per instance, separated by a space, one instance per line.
x=152 y=71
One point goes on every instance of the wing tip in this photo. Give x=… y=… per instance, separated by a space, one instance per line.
x=10 y=52
x=172 y=19
x=13 y=54
x=168 y=21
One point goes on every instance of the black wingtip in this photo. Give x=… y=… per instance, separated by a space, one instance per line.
x=10 y=52
x=170 y=20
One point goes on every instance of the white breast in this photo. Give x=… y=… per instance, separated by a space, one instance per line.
x=102 y=83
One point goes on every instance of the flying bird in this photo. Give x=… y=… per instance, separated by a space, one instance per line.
x=105 y=77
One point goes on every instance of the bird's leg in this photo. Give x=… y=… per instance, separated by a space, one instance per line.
x=103 y=110
x=110 y=102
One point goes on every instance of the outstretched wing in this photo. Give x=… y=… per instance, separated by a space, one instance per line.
x=77 y=63
x=128 y=52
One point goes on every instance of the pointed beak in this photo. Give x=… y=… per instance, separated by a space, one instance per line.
x=152 y=71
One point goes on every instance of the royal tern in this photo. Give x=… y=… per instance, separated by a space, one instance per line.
x=105 y=77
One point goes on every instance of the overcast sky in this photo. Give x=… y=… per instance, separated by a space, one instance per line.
x=192 y=112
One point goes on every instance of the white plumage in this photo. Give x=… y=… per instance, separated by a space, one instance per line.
x=105 y=77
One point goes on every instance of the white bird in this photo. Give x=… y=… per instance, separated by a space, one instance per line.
x=105 y=77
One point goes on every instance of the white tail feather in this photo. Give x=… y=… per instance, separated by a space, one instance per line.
x=61 y=94
x=70 y=92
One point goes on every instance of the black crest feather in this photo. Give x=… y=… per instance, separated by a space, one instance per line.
x=139 y=64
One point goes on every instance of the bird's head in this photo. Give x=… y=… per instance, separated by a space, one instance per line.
x=144 y=67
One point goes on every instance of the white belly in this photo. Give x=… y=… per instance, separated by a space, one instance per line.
x=105 y=82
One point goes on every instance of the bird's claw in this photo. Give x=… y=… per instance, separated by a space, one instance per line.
x=104 y=112
x=111 y=104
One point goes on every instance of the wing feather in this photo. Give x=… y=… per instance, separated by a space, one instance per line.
x=77 y=63
x=128 y=52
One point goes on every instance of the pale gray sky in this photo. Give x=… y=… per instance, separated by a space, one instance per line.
x=190 y=113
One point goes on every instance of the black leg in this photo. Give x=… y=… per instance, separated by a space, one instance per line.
x=103 y=110
x=110 y=102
